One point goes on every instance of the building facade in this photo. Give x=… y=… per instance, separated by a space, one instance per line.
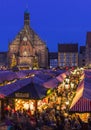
x=82 y=56
x=88 y=49
x=67 y=55
x=53 y=59
x=3 y=59
x=27 y=49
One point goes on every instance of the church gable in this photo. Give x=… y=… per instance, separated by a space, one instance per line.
x=27 y=45
x=36 y=39
x=25 y=48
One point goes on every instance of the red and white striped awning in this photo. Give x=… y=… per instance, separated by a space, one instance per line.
x=83 y=105
x=79 y=94
x=82 y=99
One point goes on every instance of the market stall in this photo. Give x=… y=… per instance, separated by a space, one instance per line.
x=81 y=103
x=23 y=94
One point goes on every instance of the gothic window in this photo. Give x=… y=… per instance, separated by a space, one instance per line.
x=25 y=53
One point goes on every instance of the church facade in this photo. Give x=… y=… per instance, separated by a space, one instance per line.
x=27 y=49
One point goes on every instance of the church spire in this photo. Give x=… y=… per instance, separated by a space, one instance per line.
x=26 y=17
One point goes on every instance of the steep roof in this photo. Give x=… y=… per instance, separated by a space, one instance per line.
x=68 y=47
x=26 y=11
x=31 y=34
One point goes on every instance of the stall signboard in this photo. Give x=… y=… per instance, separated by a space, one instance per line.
x=21 y=95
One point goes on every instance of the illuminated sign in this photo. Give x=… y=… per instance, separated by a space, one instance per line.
x=22 y=95
x=49 y=91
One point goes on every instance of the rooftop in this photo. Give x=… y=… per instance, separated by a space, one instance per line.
x=69 y=47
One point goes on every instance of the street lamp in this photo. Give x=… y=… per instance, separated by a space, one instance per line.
x=67 y=106
x=67 y=79
x=66 y=86
x=72 y=85
x=67 y=103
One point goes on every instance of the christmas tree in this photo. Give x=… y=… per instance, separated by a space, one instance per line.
x=35 y=63
x=13 y=61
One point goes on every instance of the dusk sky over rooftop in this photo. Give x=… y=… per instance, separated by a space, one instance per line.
x=55 y=21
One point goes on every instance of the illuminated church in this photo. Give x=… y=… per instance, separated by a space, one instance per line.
x=27 y=49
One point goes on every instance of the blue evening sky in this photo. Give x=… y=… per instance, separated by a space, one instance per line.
x=55 y=21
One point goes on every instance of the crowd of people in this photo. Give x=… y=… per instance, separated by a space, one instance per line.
x=49 y=119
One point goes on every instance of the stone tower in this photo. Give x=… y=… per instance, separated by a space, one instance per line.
x=26 y=18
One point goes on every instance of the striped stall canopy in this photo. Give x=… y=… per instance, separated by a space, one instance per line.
x=82 y=99
x=83 y=105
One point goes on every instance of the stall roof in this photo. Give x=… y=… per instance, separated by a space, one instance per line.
x=7 y=76
x=82 y=99
x=43 y=78
x=11 y=88
x=45 y=75
x=32 y=86
x=83 y=105
x=52 y=83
